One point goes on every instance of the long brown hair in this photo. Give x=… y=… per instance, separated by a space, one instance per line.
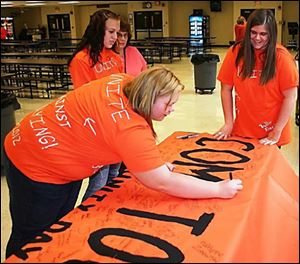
x=259 y=17
x=93 y=37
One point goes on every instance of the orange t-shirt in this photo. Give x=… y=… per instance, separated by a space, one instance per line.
x=239 y=32
x=257 y=107
x=89 y=127
x=82 y=72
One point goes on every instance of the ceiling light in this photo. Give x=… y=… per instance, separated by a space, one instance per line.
x=69 y=2
x=35 y=4
x=6 y=3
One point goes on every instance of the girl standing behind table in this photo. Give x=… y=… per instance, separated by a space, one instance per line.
x=264 y=79
x=134 y=64
x=95 y=59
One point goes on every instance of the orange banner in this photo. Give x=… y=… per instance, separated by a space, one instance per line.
x=127 y=222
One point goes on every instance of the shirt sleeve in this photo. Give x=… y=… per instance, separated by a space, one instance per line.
x=138 y=150
x=288 y=75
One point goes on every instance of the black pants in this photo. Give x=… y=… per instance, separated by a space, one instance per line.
x=35 y=206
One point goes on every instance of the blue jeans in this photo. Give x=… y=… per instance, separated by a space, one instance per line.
x=35 y=206
x=97 y=181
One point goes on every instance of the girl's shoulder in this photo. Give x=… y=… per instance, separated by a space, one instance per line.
x=282 y=52
x=131 y=49
x=234 y=49
x=83 y=54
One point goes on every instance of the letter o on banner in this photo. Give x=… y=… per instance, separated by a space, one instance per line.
x=174 y=254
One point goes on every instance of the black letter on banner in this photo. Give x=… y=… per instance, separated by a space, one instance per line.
x=174 y=254
x=185 y=154
x=211 y=166
x=22 y=253
x=249 y=146
x=98 y=198
x=204 y=173
x=64 y=226
x=114 y=184
x=80 y=261
x=198 y=226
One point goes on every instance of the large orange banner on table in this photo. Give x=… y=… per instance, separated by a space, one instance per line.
x=127 y=222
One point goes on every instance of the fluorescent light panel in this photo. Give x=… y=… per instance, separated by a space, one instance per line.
x=68 y=2
x=34 y=4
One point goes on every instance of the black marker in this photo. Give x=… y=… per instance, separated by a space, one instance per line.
x=188 y=136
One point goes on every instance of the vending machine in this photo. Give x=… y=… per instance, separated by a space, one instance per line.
x=8 y=24
x=199 y=30
x=196 y=30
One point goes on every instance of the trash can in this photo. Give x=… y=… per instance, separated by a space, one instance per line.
x=9 y=104
x=205 y=72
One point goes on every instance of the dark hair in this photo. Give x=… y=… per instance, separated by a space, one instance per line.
x=94 y=35
x=259 y=17
x=124 y=27
x=241 y=20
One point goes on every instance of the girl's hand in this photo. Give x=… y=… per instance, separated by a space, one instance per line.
x=272 y=138
x=229 y=188
x=224 y=132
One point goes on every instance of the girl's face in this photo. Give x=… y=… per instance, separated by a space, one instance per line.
x=112 y=26
x=122 y=39
x=259 y=36
x=163 y=106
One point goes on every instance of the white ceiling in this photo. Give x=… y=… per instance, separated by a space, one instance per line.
x=55 y=3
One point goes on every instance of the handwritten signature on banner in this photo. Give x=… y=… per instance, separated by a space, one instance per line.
x=127 y=222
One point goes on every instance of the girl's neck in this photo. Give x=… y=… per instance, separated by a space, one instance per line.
x=120 y=52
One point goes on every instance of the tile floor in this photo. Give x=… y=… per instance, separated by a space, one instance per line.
x=193 y=113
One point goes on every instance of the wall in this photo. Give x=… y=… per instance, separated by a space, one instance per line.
x=277 y=5
x=290 y=14
x=29 y=16
x=175 y=16
x=162 y=6
x=62 y=9
x=221 y=23
x=86 y=11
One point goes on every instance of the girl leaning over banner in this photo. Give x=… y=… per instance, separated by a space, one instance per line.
x=109 y=121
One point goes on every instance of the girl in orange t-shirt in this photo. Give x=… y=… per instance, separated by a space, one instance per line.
x=95 y=59
x=103 y=122
x=240 y=29
x=265 y=78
